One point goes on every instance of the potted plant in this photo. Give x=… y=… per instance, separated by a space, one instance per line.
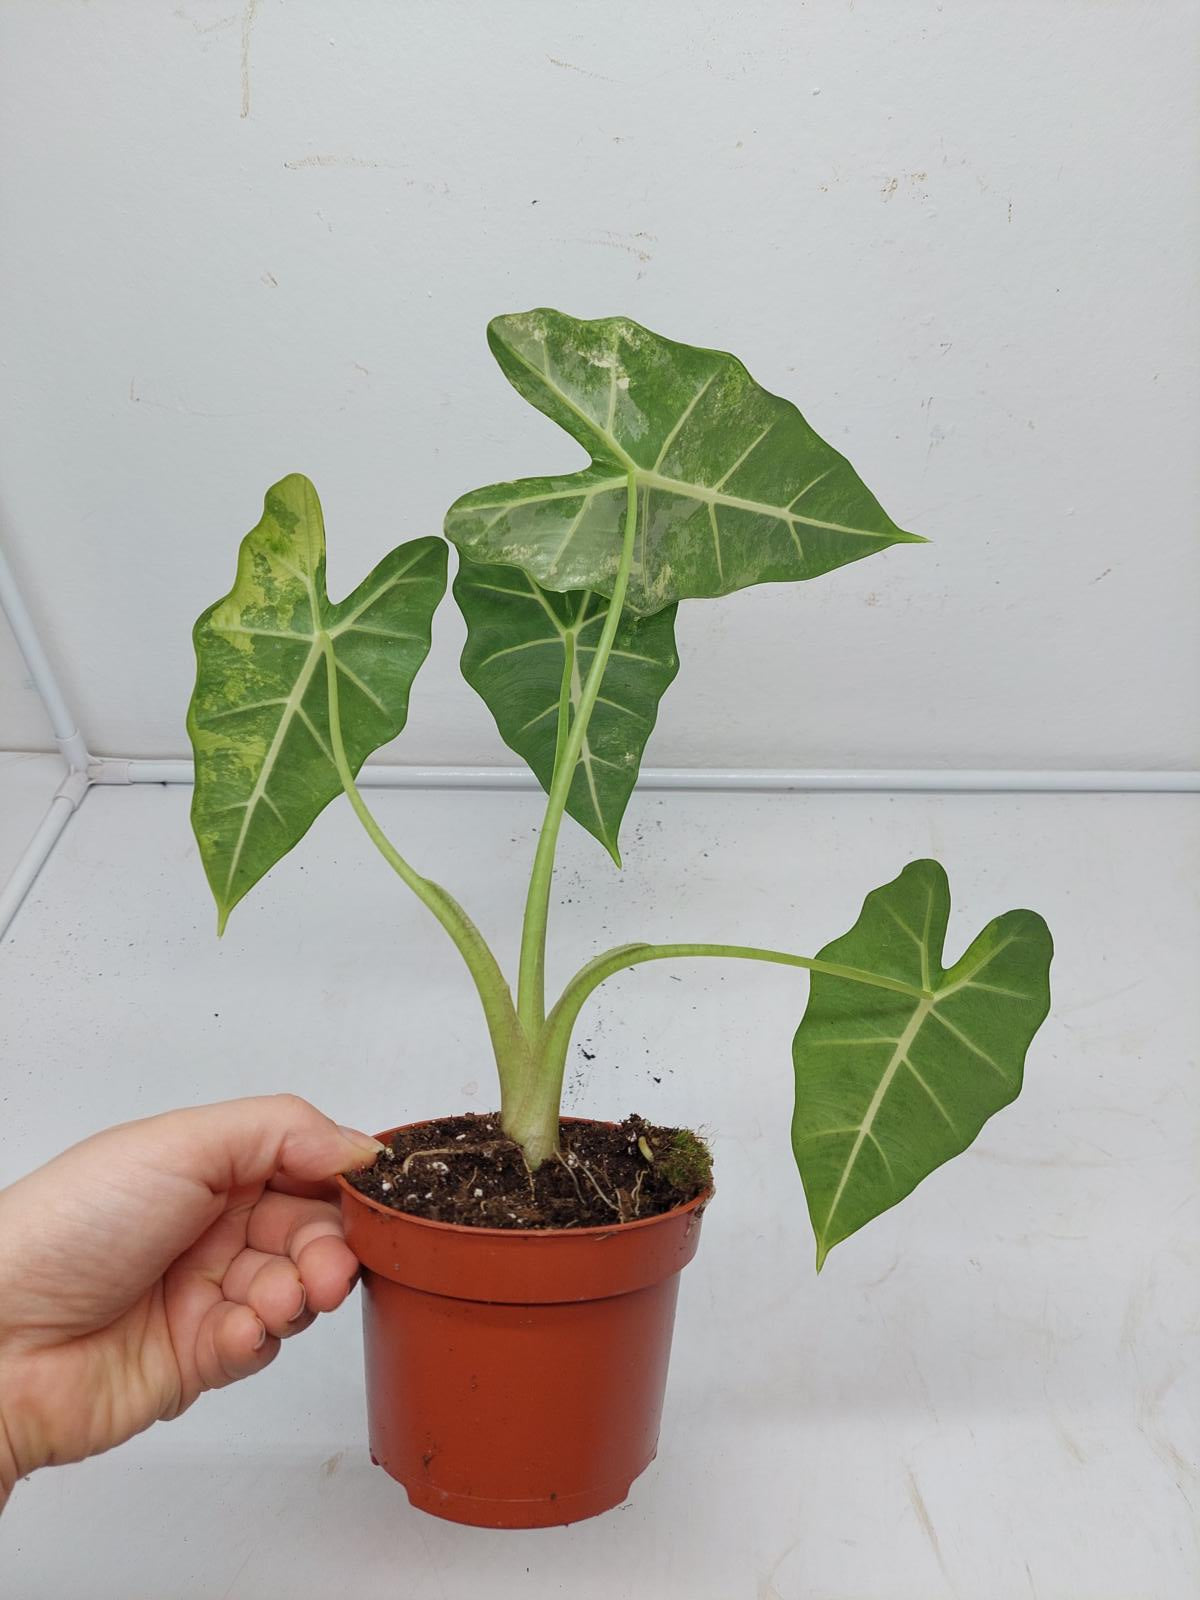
x=521 y=1270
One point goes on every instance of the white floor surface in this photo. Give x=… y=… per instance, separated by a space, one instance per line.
x=991 y=1393
x=27 y=785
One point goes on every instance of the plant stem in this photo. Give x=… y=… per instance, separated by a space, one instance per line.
x=508 y=1039
x=556 y=1035
x=531 y=994
x=532 y=988
x=633 y=955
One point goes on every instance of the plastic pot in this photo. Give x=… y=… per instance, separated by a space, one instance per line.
x=516 y=1379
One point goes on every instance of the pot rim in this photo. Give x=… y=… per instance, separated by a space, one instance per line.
x=601 y=1230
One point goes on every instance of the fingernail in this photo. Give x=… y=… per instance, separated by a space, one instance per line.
x=299 y=1311
x=262 y=1336
x=363 y=1140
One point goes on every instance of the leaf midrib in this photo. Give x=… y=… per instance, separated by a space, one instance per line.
x=650 y=478
x=557 y=634
x=291 y=707
x=293 y=703
x=865 y=1128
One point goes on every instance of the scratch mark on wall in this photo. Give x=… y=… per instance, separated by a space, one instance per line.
x=884 y=1276
x=180 y=408
x=766 y=1584
x=569 y=66
x=926 y=1521
x=334 y=161
x=205 y=27
x=615 y=241
x=1058 y=1161
x=432 y=1564
x=1150 y=1425
x=1069 y=1444
x=923 y=1386
x=1135 y=1310
x=247 y=27
x=233 y=1581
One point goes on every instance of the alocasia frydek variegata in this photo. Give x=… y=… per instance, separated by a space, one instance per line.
x=698 y=483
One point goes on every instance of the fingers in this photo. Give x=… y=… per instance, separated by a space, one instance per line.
x=114 y=1213
x=309 y=1234
x=329 y=1270
x=270 y=1286
x=231 y=1343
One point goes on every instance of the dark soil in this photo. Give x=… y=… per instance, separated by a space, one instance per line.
x=464 y=1170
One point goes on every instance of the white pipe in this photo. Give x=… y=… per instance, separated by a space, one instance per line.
x=767 y=780
x=119 y=772
x=66 y=730
x=65 y=803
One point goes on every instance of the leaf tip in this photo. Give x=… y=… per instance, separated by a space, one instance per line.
x=822 y=1254
x=222 y=919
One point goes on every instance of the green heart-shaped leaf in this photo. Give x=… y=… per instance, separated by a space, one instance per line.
x=891 y=1085
x=259 y=714
x=517 y=642
x=734 y=487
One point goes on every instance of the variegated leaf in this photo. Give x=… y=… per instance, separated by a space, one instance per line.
x=734 y=487
x=259 y=715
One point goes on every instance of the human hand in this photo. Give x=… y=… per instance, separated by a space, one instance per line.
x=160 y=1259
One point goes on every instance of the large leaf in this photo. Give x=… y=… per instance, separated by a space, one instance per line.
x=734 y=487
x=890 y=1085
x=259 y=715
x=517 y=637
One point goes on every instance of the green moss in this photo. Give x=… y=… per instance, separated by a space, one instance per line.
x=686 y=1163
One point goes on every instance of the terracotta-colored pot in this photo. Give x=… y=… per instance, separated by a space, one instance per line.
x=515 y=1379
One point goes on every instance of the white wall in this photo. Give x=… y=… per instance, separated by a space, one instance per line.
x=241 y=241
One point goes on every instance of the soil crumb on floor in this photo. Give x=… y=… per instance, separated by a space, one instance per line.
x=465 y=1170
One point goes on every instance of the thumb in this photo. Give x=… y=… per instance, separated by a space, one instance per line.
x=250 y=1141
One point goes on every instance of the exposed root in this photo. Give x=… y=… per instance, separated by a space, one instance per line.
x=568 y=1164
x=613 y=1205
x=452 y=1150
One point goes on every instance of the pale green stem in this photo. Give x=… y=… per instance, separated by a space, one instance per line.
x=633 y=955
x=534 y=991
x=542 y=1104
x=531 y=996
x=564 y=704
x=508 y=1040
